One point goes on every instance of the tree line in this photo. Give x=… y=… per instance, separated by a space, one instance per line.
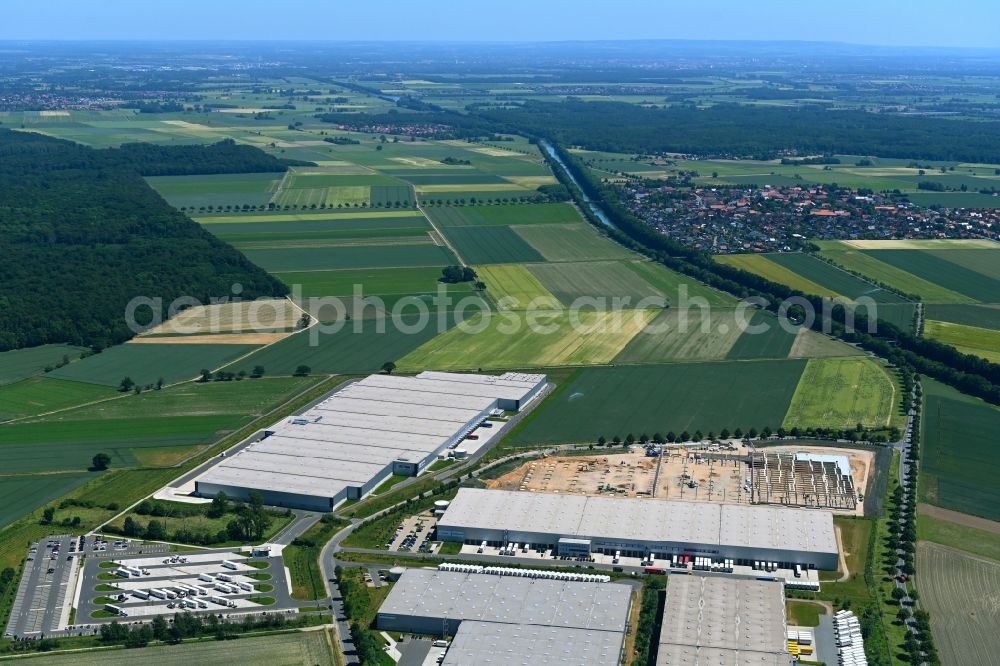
x=82 y=234
x=752 y=131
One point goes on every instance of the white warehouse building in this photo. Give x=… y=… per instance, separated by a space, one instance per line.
x=508 y=620
x=345 y=446
x=579 y=525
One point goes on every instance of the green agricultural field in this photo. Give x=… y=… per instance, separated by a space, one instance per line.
x=468 y=177
x=954 y=275
x=958 y=590
x=677 y=287
x=982 y=342
x=491 y=245
x=478 y=216
x=254 y=189
x=842 y=392
x=512 y=340
x=660 y=398
x=854 y=259
x=982 y=542
x=479 y=196
x=982 y=316
x=70 y=445
x=23 y=363
x=23 y=494
x=833 y=278
x=338 y=220
x=147 y=363
x=356 y=348
x=761 y=265
x=607 y=280
x=291 y=649
x=170 y=421
x=38 y=395
x=810 y=344
x=675 y=335
x=571 y=242
x=772 y=340
x=355 y=256
x=514 y=287
x=373 y=281
x=960 y=461
x=338 y=238
x=388 y=196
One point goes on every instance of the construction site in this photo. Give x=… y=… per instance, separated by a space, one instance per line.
x=795 y=475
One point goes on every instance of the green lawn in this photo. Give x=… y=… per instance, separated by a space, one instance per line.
x=960 y=460
x=302 y=558
x=804 y=613
x=660 y=398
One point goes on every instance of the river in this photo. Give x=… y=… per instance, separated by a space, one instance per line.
x=591 y=204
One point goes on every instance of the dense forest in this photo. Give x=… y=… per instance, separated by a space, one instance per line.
x=81 y=234
x=761 y=132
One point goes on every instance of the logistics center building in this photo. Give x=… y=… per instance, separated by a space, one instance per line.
x=576 y=525
x=723 y=620
x=511 y=620
x=345 y=446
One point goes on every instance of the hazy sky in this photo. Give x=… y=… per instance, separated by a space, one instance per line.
x=891 y=22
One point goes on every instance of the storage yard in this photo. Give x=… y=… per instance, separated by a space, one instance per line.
x=713 y=620
x=578 y=527
x=511 y=620
x=816 y=477
x=346 y=445
x=164 y=584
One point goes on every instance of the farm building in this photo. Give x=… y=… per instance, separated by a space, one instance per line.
x=579 y=525
x=723 y=620
x=507 y=619
x=345 y=446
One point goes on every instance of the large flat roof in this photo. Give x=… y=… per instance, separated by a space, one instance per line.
x=354 y=434
x=429 y=593
x=643 y=520
x=723 y=620
x=517 y=644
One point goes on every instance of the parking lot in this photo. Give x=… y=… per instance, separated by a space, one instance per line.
x=143 y=586
x=414 y=534
x=44 y=597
